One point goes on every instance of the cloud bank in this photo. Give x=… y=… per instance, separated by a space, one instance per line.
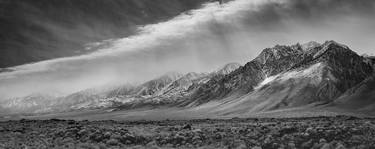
x=199 y=40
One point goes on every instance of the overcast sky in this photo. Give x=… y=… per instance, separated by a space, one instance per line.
x=201 y=40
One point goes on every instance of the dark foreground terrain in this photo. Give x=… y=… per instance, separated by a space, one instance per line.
x=338 y=132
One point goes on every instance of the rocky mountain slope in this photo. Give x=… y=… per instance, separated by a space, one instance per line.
x=359 y=98
x=171 y=91
x=166 y=89
x=285 y=77
x=36 y=103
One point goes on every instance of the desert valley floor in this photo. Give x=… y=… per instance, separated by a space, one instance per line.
x=336 y=132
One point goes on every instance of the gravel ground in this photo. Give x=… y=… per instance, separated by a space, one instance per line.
x=338 y=132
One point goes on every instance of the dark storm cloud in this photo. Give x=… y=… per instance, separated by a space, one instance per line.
x=35 y=30
x=271 y=14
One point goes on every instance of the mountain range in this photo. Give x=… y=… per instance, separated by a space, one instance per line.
x=162 y=90
x=327 y=76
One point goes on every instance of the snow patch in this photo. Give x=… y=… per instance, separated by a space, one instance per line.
x=314 y=71
x=265 y=81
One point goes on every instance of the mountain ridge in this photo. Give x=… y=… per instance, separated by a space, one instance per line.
x=161 y=90
x=332 y=60
x=280 y=77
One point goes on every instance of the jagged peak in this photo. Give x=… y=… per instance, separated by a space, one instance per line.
x=166 y=78
x=228 y=68
x=285 y=49
x=330 y=43
x=277 y=52
x=231 y=65
x=276 y=48
x=334 y=47
x=172 y=75
x=310 y=45
x=192 y=75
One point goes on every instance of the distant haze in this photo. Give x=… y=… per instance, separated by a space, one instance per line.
x=200 y=40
